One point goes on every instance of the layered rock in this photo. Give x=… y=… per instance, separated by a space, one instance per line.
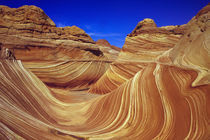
x=104 y=42
x=192 y=51
x=147 y=41
x=31 y=21
x=175 y=110
x=109 y=50
x=5 y=53
x=142 y=46
x=158 y=102
x=60 y=57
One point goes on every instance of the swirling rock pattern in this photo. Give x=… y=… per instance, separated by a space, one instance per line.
x=192 y=51
x=159 y=101
x=62 y=57
x=142 y=46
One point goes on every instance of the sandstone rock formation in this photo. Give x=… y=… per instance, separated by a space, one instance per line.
x=192 y=51
x=104 y=42
x=5 y=53
x=109 y=50
x=142 y=46
x=165 y=96
x=60 y=57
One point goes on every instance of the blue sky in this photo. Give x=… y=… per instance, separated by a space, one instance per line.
x=113 y=19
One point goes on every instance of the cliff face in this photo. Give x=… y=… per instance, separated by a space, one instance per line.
x=156 y=96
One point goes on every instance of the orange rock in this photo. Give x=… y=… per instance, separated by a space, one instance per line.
x=104 y=42
x=166 y=97
x=109 y=50
x=142 y=46
x=62 y=57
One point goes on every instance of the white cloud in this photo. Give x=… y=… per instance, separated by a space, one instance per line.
x=104 y=35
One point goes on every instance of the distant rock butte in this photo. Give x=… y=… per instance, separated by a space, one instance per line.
x=109 y=50
x=104 y=42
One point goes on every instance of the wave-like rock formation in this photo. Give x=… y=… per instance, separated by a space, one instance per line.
x=142 y=46
x=193 y=49
x=62 y=57
x=166 y=98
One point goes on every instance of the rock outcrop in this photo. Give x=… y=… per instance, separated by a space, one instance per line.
x=109 y=50
x=166 y=97
x=5 y=53
x=192 y=51
x=104 y=42
x=31 y=21
x=142 y=46
x=60 y=57
x=147 y=41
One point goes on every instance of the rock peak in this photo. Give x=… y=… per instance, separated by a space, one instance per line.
x=74 y=30
x=144 y=24
x=25 y=14
x=103 y=42
x=106 y=43
x=148 y=26
x=147 y=22
x=31 y=21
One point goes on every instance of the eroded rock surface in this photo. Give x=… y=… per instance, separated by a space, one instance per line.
x=161 y=96
x=142 y=46
x=109 y=50
x=62 y=57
